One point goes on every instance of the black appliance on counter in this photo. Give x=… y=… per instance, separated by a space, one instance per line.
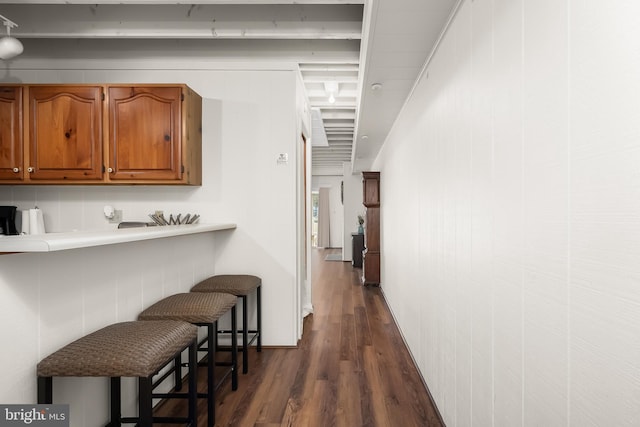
x=8 y=220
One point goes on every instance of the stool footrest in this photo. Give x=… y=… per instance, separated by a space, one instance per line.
x=228 y=348
x=166 y=375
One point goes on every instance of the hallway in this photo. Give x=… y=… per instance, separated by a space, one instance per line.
x=350 y=369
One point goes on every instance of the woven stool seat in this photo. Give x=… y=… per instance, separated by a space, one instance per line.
x=128 y=349
x=192 y=308
x=236 y=284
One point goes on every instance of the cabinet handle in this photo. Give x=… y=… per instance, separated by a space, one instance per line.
x=16 y=170
x=110 y=170
x=29 y=169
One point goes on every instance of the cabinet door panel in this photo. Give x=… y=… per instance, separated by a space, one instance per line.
x=65 y=132
x=371 y=189
x=145 y=125
x=372 y=229
x=11 y=152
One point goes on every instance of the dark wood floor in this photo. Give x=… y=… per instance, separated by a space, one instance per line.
x=351 y=367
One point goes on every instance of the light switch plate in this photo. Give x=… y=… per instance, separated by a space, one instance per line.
x=283 y=158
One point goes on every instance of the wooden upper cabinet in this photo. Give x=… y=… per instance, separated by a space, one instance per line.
x=11 y=135
x=65 y=133
x=100 y=134
x=154 y=134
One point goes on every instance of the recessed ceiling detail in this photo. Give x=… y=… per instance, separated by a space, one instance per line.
x=332 y=90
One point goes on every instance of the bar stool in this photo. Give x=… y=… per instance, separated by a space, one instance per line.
x=127 y=349
x=240 y=285
x=201 y=310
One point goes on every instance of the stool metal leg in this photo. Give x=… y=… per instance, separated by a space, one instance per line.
x=259 y=315
x=45 y=390
x=234 y=349
x=145 y=407
x=177 y=375
x=245 y=336
x=116 y=405
x=211 y=382
x=193 y=383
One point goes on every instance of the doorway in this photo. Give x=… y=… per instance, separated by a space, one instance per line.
x=315 y=197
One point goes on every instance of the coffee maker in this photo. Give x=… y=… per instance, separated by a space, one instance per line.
x=8 y=220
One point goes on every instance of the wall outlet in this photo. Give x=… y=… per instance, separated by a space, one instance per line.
x=117 y=217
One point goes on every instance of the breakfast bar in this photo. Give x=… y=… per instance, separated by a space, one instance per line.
x=50 y=242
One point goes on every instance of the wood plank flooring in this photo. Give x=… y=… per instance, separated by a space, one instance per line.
x=351 y=367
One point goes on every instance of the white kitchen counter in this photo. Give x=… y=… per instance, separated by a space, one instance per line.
x=50 y=242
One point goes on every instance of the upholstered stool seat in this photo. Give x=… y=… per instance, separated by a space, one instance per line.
x=200 y=310
x=240 y=285
x=127 y=349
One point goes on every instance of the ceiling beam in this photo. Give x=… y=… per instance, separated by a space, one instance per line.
x=304 y=22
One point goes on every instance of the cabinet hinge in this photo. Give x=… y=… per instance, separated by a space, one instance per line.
x=103 y=169
x=181 y=168
x=182 y=97
x=103 y=99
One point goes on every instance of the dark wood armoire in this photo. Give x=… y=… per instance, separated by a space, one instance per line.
x=371 y=253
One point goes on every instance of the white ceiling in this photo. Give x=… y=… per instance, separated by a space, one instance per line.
x=351 y=44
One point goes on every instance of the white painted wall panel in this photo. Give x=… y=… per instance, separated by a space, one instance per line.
x=523 y=129
x=461 y=82
x=605 y=212
x=546 y=232
x=481 y=211
x=508 y=234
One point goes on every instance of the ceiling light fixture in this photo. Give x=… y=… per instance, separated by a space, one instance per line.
x=332 y=89
x=10 y=47
x=376 y=86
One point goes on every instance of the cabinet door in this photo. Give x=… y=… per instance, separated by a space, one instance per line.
x=145 y=133
x=11 y=133
x=65 y=133
x=372 y=230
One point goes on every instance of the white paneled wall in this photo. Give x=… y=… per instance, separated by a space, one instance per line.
x=511 y=215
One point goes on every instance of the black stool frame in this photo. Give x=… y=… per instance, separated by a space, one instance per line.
x=209 y=345
x=256 y=333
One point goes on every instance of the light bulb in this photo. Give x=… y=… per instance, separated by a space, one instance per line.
x=10 y=47
x=332 y=99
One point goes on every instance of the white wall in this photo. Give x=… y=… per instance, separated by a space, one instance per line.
x=511 y=212
x=249 y=118
x=336 y=218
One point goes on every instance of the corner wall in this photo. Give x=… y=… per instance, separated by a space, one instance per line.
x=511 y=215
